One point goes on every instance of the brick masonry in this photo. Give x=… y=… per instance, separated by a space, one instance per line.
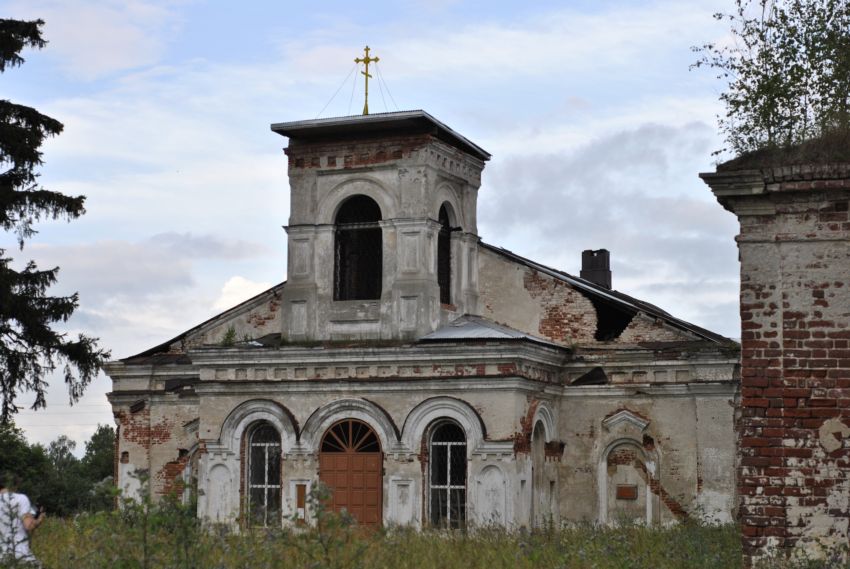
x=794 y=451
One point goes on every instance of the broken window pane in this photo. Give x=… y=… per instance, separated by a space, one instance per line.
x=458 y=465
x=439 y=466
x=439 y=508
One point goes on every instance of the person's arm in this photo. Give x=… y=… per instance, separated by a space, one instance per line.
x=31 y=522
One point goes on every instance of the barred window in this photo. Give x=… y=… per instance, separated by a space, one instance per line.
x=264 y=475
x=447 y=476
x=358 y=250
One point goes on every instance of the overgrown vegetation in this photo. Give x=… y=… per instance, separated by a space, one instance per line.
x=167 y=535
x=787 y=75
x=55 y=478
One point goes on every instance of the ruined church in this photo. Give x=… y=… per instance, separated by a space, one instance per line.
x=424 y=377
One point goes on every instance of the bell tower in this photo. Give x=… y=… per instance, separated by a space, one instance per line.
x=382 y=228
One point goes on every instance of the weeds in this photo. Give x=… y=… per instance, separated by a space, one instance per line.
x=166 y=535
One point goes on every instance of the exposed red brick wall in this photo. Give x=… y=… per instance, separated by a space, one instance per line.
x=329 y=155
x=645 y=329
x=566 y=315
x=137 y=428
x=794 y=473
x=170 y=477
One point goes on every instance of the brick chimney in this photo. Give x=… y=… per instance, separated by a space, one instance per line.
x=596 y=267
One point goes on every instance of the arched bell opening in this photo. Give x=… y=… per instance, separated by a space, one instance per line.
x=358 y=250
x=444 y=255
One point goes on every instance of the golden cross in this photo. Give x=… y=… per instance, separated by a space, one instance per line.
x=366 y=60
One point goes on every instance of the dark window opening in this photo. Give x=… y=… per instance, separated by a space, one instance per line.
x=444 y=257
x=358 y=258
x=447 y=476
x=350 y=436
x=264 y=475
x=596 y=376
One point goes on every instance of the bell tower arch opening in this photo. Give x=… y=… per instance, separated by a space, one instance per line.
x=444 y=255
x=358 y=250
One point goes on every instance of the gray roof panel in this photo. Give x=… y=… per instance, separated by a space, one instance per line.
x=365 y=125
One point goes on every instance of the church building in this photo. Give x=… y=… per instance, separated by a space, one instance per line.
x=424 y=377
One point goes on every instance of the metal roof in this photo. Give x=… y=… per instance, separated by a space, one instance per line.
x=408 y=122
x=469 y=327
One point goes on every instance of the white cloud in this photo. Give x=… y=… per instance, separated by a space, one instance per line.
x=93 y=39
x=238 y=289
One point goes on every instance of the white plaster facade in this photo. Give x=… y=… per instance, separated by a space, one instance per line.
x=576 y=402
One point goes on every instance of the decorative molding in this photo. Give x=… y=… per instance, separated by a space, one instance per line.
x=445 y=408
x=361 y=409
x=627 y=417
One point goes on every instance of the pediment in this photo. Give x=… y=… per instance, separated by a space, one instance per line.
x=627 y=419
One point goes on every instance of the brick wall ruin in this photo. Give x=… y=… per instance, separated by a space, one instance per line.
x=794 y=471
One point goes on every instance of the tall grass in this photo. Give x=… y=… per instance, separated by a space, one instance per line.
x=167 y=535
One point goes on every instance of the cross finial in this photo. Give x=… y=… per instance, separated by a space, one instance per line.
x=366 y=60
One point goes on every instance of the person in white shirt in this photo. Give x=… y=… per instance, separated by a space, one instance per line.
x=18 y=519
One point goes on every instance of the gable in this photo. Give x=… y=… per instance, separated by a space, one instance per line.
x=568 y=310
x=255 y=318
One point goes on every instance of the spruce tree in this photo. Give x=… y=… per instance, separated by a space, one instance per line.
x=30 y=346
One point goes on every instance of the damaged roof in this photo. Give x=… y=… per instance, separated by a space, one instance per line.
x=467 y=327
x=612 y=296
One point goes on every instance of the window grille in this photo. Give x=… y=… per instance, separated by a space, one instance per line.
x=264 y=475
x=444 y=257
x=358 y=250
x=447 y=476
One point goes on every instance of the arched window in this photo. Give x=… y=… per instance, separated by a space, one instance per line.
x=264 y=475
x=358 y=259
x=447 y=475
x=444 y=257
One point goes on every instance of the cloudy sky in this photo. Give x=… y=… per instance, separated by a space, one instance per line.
x=596 y=126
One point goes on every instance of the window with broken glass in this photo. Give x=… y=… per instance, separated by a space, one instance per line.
x=444 y=257
x=447 y=476
x=264 y=475
x=358 y=250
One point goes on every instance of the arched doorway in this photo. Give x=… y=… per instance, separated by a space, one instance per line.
x=351 y=465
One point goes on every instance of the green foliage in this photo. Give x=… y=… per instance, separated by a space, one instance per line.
x=119 y=539
x=98 y=461
x=30 y=349
x=28 y=462
x=54 y=477
x=229 y=338
x=787 y=73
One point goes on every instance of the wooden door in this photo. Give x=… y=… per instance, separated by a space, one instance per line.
x=351 y=466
